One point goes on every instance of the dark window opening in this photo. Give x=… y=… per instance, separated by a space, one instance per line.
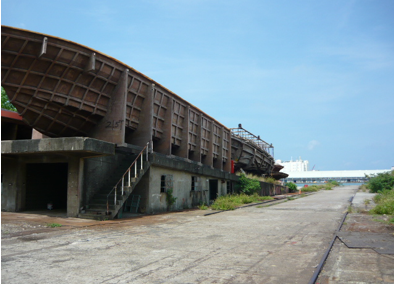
x=163 y=184
x=194 y=180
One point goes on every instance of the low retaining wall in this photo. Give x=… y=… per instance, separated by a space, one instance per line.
x=268 y=189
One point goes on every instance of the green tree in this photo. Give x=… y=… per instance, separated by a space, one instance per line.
x=5 y=101
x=247 y=185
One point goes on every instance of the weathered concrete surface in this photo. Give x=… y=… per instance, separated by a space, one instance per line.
x=279 y=244
x=362 y=265
x=360 y=199
x=84 y=145
x=365 y=264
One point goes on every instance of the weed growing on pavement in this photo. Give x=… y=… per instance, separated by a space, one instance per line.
x=230 y=202
x=367 y=202
x=385 y=220
x=290 y=198
x=203 y=207
x=53 y=225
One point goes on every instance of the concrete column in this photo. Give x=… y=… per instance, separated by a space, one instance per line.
x=209 y=157
x=164 y=145
x=196 y=154
x=143 y=133
x=227 y=164
x=218 y=164
x=184 y=148
x=74 y=186
x=112 y=127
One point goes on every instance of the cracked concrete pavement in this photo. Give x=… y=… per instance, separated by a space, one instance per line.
x=282 y=243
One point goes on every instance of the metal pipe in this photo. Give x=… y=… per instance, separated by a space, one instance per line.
x=129 y=177
x=115 y=196
x=122 y=185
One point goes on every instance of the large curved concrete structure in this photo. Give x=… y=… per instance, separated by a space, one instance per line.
x=63 y=89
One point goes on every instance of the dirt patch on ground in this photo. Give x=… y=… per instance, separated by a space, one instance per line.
x=20 y=224
x=359 y=222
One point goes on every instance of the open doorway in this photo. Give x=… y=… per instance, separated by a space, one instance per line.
x=213 y=189
x=46 y=183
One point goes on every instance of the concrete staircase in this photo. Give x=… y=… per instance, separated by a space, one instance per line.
x=107 y=202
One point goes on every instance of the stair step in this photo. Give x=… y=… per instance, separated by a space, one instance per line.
x=101 y=217
x=100 y=207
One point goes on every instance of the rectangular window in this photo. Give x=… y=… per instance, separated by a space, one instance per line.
x=194 y=181
x=165 y=183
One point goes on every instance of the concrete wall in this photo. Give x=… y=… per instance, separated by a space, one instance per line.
x=154 y=201
x=13 y=184
x=97 y=170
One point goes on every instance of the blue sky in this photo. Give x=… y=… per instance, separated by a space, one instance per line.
x=314 y=78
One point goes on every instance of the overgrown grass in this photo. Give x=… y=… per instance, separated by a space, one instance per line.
x=230 y=202
x=312 y=188
x=384 y=203
x=315 y=188
x=260 y=178
x=363 y=188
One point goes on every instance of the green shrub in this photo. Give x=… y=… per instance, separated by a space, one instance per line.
x=170 y=199
x=381 y=182
x=334 y=183
x=247 y=185
x=292 y=187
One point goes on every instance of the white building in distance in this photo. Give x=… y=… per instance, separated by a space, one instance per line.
x=298 y=165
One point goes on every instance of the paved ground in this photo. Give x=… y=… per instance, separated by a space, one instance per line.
x=282 y=243
x=369 y=258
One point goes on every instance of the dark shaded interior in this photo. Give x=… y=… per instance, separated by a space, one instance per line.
x=213 y=189
x=45 y=183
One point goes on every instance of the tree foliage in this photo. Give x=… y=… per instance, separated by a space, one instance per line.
x=5 y=101
x=247 y=185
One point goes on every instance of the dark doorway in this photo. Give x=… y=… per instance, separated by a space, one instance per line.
x=45 y=183
x=213 y=189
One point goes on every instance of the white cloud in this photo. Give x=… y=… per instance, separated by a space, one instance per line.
x=313 y=144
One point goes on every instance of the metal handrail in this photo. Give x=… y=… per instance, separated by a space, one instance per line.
x=121 y=180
